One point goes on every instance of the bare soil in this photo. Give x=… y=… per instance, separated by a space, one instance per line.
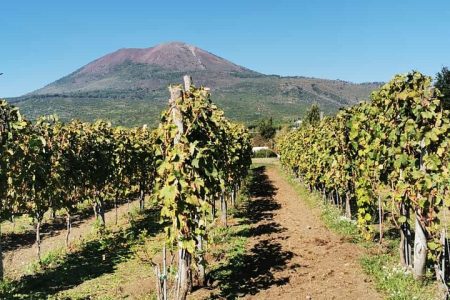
x=291 y=254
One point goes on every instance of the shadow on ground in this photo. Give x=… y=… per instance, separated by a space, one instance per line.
x=250 y=272
x=96 y=258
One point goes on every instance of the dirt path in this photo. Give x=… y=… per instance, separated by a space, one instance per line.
x=291 y=254
x=17 y=260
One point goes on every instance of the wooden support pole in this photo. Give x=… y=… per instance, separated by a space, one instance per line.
x=420 y=236
x=176 y=93
x=187 y=82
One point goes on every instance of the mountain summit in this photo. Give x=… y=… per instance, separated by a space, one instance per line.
x=174 y=56
x=129 y=87
x=149 y=68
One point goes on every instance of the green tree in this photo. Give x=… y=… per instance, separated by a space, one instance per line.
x=266 y=128
x=313 y=115
x=443 y=84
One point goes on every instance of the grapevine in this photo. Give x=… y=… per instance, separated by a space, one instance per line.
x=385 y=157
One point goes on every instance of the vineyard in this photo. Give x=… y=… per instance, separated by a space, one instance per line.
x=386 y=164
x=193 y=160
x=224 y=227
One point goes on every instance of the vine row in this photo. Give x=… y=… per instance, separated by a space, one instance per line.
x=384 y=160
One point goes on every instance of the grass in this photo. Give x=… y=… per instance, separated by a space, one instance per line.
x=229 y=249
x=21 y=225
x=128 y=279
x=381 y=264
x=228 y=244
x=90 y=267
x=130 y=274
x=49 y=260
x=258 y=162
x=395 y=281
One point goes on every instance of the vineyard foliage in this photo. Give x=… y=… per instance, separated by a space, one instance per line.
x=49 y=165
x=201 y=157
x=387 y=158
x=195 y=157
x=57 y=165
x=210 y=157
x=54 y=165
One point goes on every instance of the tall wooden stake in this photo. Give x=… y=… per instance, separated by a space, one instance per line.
x=420 y=238
x=380 y=218
x=164 y=291
x=1 y=256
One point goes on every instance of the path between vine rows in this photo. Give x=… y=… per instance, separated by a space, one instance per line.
x=291 y=254
x=17 y=260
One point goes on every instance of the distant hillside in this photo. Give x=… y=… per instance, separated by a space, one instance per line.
x=129 y=87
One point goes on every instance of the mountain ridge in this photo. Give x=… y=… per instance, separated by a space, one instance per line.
x=129 y=86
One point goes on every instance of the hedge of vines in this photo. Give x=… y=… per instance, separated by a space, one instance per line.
x=201 y=158
x=49 y=165
x=195 y=158
x=384 y=159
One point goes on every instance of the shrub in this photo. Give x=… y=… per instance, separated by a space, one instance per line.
x=264 y=153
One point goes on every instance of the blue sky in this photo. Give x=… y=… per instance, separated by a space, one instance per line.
x=356 y=40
